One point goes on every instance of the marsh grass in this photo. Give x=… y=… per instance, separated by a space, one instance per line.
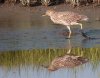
x=38 y=57
x=52 y=2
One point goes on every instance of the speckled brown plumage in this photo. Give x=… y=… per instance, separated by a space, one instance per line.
x=68 y=61
x=66 y=18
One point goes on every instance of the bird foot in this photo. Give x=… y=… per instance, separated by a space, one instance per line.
x=86 y=36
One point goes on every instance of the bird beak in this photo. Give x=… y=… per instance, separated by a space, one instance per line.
x=44 y=15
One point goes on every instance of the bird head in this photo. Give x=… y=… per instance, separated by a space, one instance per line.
x=49 y=13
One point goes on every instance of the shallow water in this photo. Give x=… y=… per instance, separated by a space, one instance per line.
x=20 y=31
x=29 y=64
x=29 y=72
x=25 y=36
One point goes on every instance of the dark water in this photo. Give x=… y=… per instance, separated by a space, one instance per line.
x=29 y=31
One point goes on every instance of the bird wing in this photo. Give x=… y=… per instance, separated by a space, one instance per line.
x=69 y=16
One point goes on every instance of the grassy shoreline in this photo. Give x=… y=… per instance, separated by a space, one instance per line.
x=32 y=3
x=40 y=57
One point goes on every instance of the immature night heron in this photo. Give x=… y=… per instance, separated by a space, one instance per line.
x=66 y=18
x=69 y=61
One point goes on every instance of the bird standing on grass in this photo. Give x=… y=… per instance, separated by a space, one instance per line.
x=67 y=18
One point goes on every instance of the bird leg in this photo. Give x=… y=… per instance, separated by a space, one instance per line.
x=81 y=26
x=75 y=23
x=69 y=35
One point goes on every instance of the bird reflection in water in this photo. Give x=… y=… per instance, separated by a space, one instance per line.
x=69 y=60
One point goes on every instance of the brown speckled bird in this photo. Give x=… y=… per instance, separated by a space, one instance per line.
x=66 y=18
x=69 y=61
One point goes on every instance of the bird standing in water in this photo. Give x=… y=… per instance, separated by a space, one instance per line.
x=67 y=18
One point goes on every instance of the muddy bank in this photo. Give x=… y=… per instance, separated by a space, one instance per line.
x=6 y=10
